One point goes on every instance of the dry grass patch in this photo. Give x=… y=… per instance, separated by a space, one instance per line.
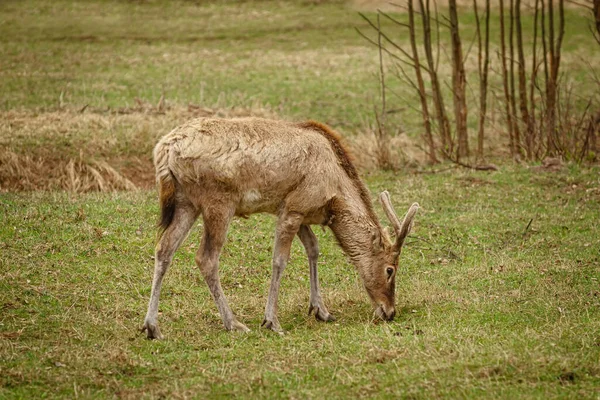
x=94 y=150
x=90 y=150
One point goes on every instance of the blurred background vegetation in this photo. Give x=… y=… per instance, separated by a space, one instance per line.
x=96 y=82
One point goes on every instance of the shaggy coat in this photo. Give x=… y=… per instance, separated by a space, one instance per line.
x=220 y=168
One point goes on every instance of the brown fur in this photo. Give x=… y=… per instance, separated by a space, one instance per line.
x=345 y=159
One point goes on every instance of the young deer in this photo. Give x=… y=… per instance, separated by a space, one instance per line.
x=222 y=168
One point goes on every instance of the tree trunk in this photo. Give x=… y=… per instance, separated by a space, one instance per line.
x=505 y=80
x=459 y=84
x=551 y=94
x=422 y=93
x=532 y=138
x=513 y=101
x=438 y=99
x=522 y=81
x=483 y=68
x=544 y=113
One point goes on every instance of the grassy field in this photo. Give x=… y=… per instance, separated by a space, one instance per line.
x=487 y=307
x=499 y=291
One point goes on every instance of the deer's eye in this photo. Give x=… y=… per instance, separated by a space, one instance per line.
x=390 y=272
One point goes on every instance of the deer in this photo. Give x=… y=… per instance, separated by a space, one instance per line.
x=301 y=173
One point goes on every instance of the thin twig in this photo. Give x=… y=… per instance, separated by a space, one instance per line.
x=420 y=13
x=394 y=20
x=390 y=41
x=527 y=227
x=580 y=5
x=482 y=167
x=395 y=56
x=406 y=77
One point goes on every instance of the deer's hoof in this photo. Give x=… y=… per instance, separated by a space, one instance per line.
x=272 y=325
x=151 y=330
x=237 y=326
x=321 y=313
x=324 y=317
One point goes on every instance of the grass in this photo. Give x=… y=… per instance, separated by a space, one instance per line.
x=300 y=58
x=499 y=291
x=487 y=307
x=222 y=53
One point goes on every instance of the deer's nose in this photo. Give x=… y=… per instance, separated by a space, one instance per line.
x=390 y=316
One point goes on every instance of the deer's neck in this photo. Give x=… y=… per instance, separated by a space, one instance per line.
x=357 y=230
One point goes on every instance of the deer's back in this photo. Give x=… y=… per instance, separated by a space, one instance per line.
x=260 y=163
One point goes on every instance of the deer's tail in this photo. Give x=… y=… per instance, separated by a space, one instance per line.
x=166 y=186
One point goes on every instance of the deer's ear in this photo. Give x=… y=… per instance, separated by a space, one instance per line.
x=386 y=233
x=377 y=242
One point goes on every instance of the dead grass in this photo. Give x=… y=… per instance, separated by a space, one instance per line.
x=91 y=150
x=94 y=150
x=23 y=172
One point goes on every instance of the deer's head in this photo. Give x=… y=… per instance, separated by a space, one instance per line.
x=380 y=281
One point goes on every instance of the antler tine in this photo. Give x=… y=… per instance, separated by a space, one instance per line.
x=402 y=229
x=406 y=225
x=386 y=202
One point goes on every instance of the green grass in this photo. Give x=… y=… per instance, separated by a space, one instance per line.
x=291 y=56
x=487 y=308
x=498 y=295
x=300 y=58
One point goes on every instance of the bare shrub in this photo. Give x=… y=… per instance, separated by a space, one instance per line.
x=542 y=116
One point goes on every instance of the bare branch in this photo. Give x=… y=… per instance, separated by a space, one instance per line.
x=393 y=55
x=436 y=20
x=406 y=78
x=505 y=81
x=458 y=83
x=438 y=99
x=379 y=32
x=394 y=20
x=581 y=5
x=421 y=88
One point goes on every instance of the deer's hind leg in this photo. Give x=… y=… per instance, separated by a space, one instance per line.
x=169 y=242
x=216 y=222
x=287 y=227
x=311 y=245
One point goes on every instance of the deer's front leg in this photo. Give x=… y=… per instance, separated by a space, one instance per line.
x=287 y=227
x=309 y=241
